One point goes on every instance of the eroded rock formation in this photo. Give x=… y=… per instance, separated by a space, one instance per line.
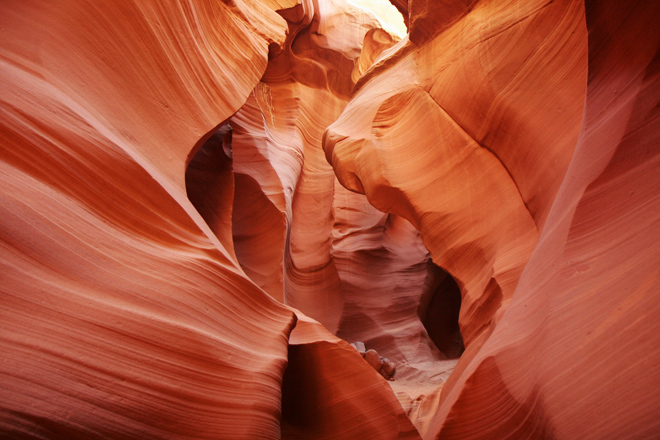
x=204 y=202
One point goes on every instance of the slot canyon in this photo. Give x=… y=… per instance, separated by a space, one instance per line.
x=329 y=219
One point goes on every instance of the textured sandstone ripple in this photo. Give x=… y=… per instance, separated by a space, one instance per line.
x=202 y=203
x=122 y=314
x=481 y=79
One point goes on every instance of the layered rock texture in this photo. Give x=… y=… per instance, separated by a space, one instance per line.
x=204 y=203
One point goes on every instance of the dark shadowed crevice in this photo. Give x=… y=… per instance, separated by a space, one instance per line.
x=210 y=182
x=321 y=401
x=439 y=313
x=237 y=210
x=257 y=224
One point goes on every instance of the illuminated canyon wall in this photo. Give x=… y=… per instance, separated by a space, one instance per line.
x=203 y=204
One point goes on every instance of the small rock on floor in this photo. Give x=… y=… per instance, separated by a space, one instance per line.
x=372 y=358
x=359 y=346
x=388 y=369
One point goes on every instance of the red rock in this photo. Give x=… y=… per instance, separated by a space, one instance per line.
x=585 y=306
x=123 y=311
x=199 y=199
x=470 y=75
x=372 y=358
x=324 y=380
x=388 y=369
x=359 y=346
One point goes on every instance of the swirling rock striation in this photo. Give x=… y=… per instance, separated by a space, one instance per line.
x=539 y=144
x=203 y=203
x=125 y=312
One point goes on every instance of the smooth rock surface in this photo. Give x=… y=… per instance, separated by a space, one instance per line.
x=202 y=201
x=562 y=307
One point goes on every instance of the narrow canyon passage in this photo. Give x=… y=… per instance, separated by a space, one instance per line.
x=388 y=293
x=351 y=257
x=333 y=113
x=329 y=219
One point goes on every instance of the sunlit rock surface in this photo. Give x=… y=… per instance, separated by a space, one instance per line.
x=204 y=203
x=562 y=124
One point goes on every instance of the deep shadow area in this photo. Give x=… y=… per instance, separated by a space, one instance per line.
x=439 y=314
x=210 y=182
x=329 y=392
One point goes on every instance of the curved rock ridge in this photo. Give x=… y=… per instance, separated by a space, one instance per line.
x=575 y=354
x=122 y=315
x=330 y=392
x=125 y=313
x=473 y=194
x=561 y=123
x=204 y=203
x=276 y=138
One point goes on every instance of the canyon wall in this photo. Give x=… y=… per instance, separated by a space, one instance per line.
x=204 y=202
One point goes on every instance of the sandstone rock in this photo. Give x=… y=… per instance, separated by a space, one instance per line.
x=317 y=358
x=372 y=358
x=388 y=369
x=560 y=250
x=115 y=289
x=200 y=198
x=119 y=271
x=359 y=346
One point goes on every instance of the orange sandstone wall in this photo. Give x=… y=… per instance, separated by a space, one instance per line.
x=124 y=310
x=490 y=126
x=522 y=141
x=122 y=315
x=202 y=202
x=575 y=355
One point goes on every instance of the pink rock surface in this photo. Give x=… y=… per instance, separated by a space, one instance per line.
x=585 y=311
x=122 y=314
x=203 y=203
x=481 y=78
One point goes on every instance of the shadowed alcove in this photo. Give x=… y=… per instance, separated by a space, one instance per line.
x=439 y=310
